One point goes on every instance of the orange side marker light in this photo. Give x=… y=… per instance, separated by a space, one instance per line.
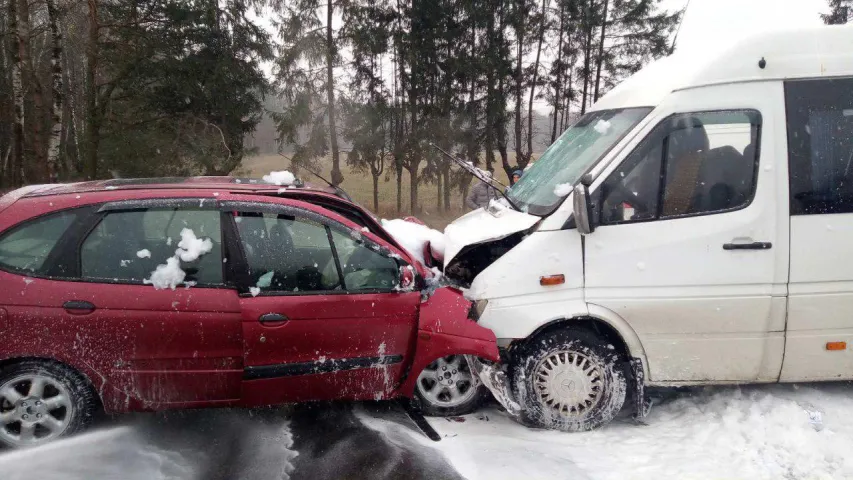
x=552 y=280
x=836 y=345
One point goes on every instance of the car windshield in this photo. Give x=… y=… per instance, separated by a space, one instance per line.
x=573 y=154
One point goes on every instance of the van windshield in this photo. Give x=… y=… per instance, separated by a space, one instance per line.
x=576 y=151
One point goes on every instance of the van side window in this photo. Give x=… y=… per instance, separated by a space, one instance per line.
x=820 y=145
x=691 y=164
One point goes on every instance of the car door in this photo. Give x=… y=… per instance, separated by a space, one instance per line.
x=322 y=314
x=690 y=250
x=178 y=345
x=820 y=302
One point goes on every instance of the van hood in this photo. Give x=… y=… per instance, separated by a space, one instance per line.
x=484 y=225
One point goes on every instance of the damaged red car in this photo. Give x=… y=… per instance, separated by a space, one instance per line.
x=154 y=294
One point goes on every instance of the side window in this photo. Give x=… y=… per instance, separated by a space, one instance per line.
x=129 y=245
x=690 y=164
x=26 y=247
x=820 y=145
x=363 y=267
x=287 y=254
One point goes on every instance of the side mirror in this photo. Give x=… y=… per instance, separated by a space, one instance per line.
x=582 y=209
x=407 y=278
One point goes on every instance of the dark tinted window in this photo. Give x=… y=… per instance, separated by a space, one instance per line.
x=689 y=165
x=287 y=254
x=129 y=245
x=820 y=145
x=364 y=268
x=26 y=247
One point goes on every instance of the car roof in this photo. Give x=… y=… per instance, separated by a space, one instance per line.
x=231 y=184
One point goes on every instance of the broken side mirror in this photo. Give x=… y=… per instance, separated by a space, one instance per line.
x=582 y=207
x=408 y=278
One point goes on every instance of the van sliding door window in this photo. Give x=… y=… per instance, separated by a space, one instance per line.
x=691 y=164
x=820 y=145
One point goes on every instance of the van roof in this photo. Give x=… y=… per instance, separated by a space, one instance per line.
x=823 y=51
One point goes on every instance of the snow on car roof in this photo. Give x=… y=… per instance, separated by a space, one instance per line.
x=823 y=51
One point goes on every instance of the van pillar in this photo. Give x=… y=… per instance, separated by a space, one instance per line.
x=642 y=405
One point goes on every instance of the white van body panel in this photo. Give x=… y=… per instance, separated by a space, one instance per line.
x=483 y=225
x=820 y=302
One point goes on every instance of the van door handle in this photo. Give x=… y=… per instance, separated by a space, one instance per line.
x=78 y=307
x=273 y=318
x=748 y=246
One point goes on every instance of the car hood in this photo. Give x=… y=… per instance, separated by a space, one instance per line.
x=484 y=225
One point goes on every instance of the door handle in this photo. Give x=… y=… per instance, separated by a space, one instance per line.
x=273 y=318
x=748 y=246
x=78 y=307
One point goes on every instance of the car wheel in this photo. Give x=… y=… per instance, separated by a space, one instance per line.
x=570 y=380
x=447 y=387
x=41 y=401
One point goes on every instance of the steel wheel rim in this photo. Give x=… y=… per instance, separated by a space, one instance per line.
x=569 y=383
x=448 y=382
x=33 y=409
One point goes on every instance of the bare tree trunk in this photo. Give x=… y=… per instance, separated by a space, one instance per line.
x=519 y=78
x=600 y=58
x=533 y=88
x=92 y=114
x=18 y=97
x=558 y=85
x=53 y=160
x=337 y=176
x=375 y=193
x=446 y=175
x=587 y=53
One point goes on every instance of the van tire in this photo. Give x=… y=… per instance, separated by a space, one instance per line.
x=73 y=415
x=569 y=380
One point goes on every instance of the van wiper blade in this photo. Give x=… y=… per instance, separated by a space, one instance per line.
x=478 y=174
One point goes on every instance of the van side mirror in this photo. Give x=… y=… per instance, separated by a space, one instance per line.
x=582 y=209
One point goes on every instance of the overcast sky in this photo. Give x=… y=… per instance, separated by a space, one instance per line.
x=708 y=22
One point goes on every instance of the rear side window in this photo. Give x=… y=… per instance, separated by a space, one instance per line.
x=26 y=246
x=691 y=164
x=129 y=245
x=820 y=145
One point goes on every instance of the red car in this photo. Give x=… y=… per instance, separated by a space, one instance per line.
x=214 y=292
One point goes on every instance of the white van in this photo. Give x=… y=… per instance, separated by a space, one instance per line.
x=707 y=238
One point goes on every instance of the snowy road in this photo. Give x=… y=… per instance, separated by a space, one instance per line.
x=733 y=433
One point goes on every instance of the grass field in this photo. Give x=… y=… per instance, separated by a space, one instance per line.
x=360 y=187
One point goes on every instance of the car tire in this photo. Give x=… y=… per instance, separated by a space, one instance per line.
x=435 y=394
x=41 y=401
x=569 y=380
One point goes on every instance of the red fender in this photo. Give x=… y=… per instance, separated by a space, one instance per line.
x=445 y=329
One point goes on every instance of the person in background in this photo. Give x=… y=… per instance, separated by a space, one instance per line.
x=516 y=176
x=480 y=194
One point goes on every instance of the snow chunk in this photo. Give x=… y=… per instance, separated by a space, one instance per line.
x=602 y=127
x=280 y=178
x=563 y=189
x=167 y=275
x=414 y=237
x=125 y=263
x=144 y=253
x=191 y=247
x=255 y=291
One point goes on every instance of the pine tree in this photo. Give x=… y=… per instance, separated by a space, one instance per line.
x=839 y=12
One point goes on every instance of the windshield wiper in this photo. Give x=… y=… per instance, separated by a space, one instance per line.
x=478 y=174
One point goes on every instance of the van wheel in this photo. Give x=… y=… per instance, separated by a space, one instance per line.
x=41 y=401
x=570 y=380
x=447 y=387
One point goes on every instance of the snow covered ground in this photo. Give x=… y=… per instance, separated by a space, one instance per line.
x=760 y=432
x=756 y=432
